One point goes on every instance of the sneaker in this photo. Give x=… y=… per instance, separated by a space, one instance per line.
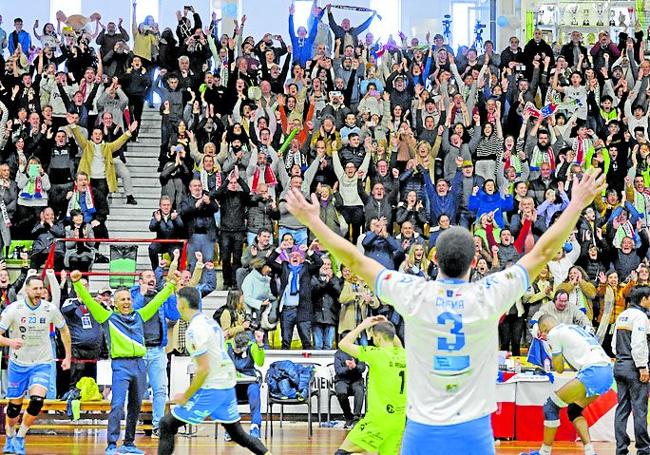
x=255 y=431
x=101 y=259
x=9 y=445
x=348 y=424
x=131 y=448
x=131 y=200
x=155 y=433
x=19 y=445
x=111 y=450
x=226 y=437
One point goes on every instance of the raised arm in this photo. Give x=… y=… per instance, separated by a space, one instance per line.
x=583 y=193
x=100 y=313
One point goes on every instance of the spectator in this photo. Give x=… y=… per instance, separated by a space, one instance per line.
x=326 y=289
x=197 y=213
x=296 y=292
x=167 y=225
x=349 y=381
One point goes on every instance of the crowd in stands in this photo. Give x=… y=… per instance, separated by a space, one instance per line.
x=398 y=141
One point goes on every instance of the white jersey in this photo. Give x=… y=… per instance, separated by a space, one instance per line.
x=579 y=348
x=33 y=326
x=204 y=336
x=451 y=341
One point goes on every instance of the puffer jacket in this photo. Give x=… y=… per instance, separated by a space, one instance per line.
x=289 y=380
x=325 y=299
x=260 y=214
x=233 y=206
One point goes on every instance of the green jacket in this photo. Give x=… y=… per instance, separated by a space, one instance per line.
x=124 y=333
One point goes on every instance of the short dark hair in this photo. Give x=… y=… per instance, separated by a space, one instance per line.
x=559 y=293
x=191 y=295
x=385 y=329
x=31 y=278
x=638 y=293
x=455 y=251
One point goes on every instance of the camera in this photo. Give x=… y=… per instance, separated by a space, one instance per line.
x=254 y=324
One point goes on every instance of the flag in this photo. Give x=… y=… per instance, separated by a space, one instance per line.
x=538 y=353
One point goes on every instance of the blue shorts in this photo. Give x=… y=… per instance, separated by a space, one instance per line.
x=597 y=379
x=22 y=378
x=468 y=438
x=219 y=404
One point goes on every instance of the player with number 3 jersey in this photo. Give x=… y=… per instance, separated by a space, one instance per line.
x=451 y=324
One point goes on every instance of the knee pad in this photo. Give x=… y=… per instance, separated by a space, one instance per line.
x=13 y=410
x=574 y=411
x=552 y=411
x=35 y=405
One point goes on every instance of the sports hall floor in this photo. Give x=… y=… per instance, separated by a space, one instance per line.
x=291 y=440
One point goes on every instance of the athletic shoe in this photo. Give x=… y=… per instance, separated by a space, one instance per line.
x=348 y=424
x=226 y=437
x=131 y=448
x=131 y=200
x=155 y=433
x=255 y=431
x=19 y=445
x=111 y=450
x=9 y=445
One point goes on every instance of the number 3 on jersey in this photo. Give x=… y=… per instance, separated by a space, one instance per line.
x=456 y=340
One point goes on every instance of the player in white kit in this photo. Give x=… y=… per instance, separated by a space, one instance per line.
x=28 y=323
x=212 y=390
x=582 y=351
x=451 y=324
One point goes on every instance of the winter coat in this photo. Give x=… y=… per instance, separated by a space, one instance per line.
x=325 y=298
x=483 y=203
x=289 y=380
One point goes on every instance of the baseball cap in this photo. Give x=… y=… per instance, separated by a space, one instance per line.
x=468 y=163
x=105 y=291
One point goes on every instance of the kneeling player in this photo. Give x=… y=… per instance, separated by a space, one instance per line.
x=581 y=351
x=212 y=390
x=380 y=431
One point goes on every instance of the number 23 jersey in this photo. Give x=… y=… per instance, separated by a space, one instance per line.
x=451 y=341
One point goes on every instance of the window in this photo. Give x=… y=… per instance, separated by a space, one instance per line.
x=390 y=20
x=301 y=15
x=464 y=18
x=69 y=7
x=147 y=8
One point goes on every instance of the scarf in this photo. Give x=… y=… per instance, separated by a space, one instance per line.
x=357 y=8
x=34 y=188
x=294 y=278
x=75 y=202
x=3 y=209
x=269 y=177
x=204 y=179
x=539 y=157
x=624 y=230
x=609 y=301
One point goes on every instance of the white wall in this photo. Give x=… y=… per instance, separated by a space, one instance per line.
x=417 y=16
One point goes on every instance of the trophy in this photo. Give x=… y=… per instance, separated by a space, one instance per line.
x=621 y=20
x=585 y=15
x=573 y=10
x=630 y=11
x=600 y=9
x=612 y=18
x=561 y=15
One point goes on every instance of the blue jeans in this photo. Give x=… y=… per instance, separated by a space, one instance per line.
x=289 y=320
x=156 y=363
x=252 y=392
x=202 y=243
x=129 y=377
x=323 y=335
x=299 y=235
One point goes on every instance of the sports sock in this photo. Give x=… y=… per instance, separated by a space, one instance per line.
x=589 y=449
x=22 y=431
x=11 y=430
x=545 y=450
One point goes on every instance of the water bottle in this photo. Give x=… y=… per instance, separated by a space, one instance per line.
x=547 y=365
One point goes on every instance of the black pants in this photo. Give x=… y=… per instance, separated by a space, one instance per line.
x=57 y=198
x=136 y=106
x=169 y=426
x=160 y=248
x=80 y=370
x=345 y=389
x=232 y=246
x=510 y=331
x=632 y=397
x=24 y=221
x=354 y=216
